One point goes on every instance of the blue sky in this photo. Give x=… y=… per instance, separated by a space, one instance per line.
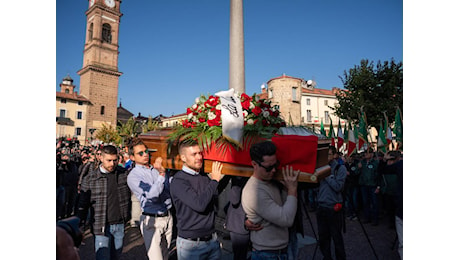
x=171 y=51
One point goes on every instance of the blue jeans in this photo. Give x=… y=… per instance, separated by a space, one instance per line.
x=110 y=245
x=262 y=255
x=370 y=203
x=351 y=200
x=191 y=250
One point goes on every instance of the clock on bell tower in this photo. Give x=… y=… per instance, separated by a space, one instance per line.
x=99 y=74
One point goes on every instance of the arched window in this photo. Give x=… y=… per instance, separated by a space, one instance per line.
x=102 y=110
x=106 y=33
x=90 y=32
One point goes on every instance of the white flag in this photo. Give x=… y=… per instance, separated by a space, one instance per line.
x=232 y=116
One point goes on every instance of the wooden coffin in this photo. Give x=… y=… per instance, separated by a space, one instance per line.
x=157 y=143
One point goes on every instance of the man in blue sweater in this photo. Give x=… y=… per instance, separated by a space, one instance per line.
x=195 y=199
x=329 y=213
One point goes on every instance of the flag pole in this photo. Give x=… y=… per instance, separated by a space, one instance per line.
x=401 y=117
x=367 y=127
x=332 y=130
x=390 y=145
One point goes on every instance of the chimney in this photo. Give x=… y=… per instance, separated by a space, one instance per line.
x=263 y=89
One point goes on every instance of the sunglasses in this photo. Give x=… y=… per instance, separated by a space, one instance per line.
x=141 y=153
x=271 y=167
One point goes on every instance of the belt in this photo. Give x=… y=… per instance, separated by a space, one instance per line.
x=276 y=252
x=203 y=238
x=156 y=215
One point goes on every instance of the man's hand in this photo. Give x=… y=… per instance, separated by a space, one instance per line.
x=290 y=179
x=251 y=226
x=157 y=165
x=216 y=173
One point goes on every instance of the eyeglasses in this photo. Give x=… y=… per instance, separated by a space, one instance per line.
x=271 y=167
x=141 y=153
x=98 y=153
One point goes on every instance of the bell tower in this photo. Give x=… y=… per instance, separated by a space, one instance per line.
x=99 y=74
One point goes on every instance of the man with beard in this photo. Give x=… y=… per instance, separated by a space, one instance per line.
x=195 y=198
x=106 y=189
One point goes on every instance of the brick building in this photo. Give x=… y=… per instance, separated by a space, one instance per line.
x=301 y=103
x=99 y=74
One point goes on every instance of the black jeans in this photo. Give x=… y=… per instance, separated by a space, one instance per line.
x=330 y=226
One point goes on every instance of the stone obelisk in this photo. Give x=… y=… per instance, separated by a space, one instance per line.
x=236 y=78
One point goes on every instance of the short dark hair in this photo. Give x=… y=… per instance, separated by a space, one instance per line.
x=394 y=155
x=135 y=142
x=109 y=149
x=186 y=143
x=259 y=150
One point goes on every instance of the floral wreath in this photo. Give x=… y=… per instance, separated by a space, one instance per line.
x=204 y=124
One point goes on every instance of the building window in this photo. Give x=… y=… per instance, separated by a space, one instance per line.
x=326 y=117
x=270 y=93
x=90 y=32
x=294 y=93
x=308 y=101
x=102 y=110
x=63 y=100
x=66 y=91
x=80 y=103
x=308 y=115
x=62 y=113
x=79 y=115
x=106 y=33
x=325 y=102
x=78 y=131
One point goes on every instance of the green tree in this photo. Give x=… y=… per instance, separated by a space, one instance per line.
x=374 y=88
x=108 y=134
x=128 y=129
x=150 y=125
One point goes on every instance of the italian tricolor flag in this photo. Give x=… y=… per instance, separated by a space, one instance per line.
x=351 y=139
x=339 y=136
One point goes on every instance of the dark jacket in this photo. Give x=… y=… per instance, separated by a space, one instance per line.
x=331 y=187
x=369 y=173
x=235 y=215
x=94 y=193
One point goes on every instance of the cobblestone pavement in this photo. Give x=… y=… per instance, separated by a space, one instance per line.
x=382 y=239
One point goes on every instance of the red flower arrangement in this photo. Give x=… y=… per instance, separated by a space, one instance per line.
x=207 y=110
x=204 y=121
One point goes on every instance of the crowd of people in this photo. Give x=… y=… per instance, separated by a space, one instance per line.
x=108 y=186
